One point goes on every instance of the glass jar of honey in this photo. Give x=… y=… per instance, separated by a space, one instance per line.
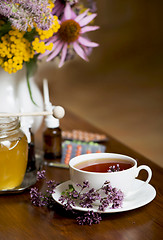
x=13 y=153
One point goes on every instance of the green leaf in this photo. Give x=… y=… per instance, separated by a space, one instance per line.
x=71 y=188
x=30 y=35
x=5 y=28
x=31 y=67
x=67 y=191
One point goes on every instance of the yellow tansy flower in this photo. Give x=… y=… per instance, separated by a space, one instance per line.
x=14 y=50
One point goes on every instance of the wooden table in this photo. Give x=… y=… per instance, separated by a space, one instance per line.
x=20 y=220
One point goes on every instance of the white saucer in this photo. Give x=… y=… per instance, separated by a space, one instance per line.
x=138 y=199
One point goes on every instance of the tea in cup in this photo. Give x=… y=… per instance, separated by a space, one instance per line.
x=97 y=168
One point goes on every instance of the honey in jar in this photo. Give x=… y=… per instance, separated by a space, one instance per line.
x=13 y=153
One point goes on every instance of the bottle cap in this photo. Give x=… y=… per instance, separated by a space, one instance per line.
x=50 y=121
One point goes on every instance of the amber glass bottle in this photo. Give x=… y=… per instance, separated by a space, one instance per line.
x=52 y=139
x=52 y=143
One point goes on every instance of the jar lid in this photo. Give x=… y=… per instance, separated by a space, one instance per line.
x=8 y=124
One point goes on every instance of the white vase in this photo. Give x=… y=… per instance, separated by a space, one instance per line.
x=15 y=97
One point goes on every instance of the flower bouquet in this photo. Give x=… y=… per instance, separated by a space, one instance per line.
x=33 y=29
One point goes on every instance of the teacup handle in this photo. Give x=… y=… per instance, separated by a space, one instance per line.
x=144 y=167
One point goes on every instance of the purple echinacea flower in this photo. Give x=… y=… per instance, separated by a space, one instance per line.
x=72 y=27
x=60 y=5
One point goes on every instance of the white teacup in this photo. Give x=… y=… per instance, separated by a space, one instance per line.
x=122 y=180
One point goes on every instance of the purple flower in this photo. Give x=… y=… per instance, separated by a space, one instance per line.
x=88 y=198
x=85 y=185
x=67 y=201
x=41 y=175
x=114 y=168
x=37 y=198
x=43 y=199
x=70 y=198
x=117 y=199
x=51 y=184
x=25 y=13
x=89 y=218
x=58 y=8
x=113 y=198
x=60 y=5
x=72 y=27
x=107 y=188
x=104 y=204
x=75 y=194
x=107 y=195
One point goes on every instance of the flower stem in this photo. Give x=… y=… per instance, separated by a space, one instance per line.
x=31 y=69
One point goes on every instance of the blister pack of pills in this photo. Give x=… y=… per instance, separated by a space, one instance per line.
x=71 y=149
x=84 y=136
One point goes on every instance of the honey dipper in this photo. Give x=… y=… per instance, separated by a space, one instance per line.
x=57 y=112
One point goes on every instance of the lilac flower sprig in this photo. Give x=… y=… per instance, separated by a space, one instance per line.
x=108 y=197
x=114 y=168
x=89 y=218
x=40 y=199
x=85 y=197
